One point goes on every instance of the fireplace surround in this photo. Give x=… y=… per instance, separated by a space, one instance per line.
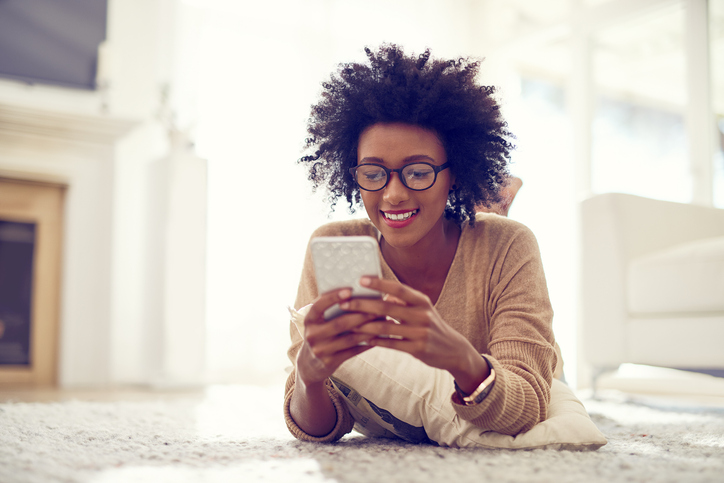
x=132 y=278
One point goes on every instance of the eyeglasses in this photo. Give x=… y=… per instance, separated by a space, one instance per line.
x=415 y=176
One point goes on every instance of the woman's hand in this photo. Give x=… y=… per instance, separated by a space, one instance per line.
x=328 y=343
x=421 y=332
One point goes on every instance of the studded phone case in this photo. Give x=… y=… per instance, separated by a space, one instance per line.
x=341 y=261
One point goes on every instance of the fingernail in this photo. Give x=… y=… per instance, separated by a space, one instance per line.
x=364 y=281
x=345 y=294
x=344 y=306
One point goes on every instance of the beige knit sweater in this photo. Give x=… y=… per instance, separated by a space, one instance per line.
x=496 y=296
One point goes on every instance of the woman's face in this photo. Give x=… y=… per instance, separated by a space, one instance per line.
x=403 y=216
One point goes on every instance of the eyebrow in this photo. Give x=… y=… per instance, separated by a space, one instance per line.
x=407 y=160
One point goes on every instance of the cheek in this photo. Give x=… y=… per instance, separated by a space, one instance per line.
x=440 y=202
x=443 y=192
x=443 y=200
x=448 y=181
x=368 y=200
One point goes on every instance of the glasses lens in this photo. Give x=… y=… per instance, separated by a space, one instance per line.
x=418 y=176
x=371 y=177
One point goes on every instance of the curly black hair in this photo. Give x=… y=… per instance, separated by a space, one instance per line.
x=439 y=95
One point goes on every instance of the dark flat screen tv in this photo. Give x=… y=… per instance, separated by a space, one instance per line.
x=52 y=41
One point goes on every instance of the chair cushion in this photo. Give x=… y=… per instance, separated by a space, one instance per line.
x=685 y=278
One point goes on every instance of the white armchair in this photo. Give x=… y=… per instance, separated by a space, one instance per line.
x=652 y=285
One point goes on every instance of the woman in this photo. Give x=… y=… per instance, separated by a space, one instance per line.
x=419 y=145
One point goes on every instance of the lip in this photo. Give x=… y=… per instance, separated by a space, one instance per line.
x=398 y=223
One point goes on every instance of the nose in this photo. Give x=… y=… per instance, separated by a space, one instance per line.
x=395 y=192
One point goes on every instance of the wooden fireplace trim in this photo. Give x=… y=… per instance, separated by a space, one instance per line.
x=40 y=203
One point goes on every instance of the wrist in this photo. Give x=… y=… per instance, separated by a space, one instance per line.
x=473 y=370
x=309 y=384
x=476 y=397
x=310 y=371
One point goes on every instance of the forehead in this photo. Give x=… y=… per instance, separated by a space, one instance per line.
x=391 y=142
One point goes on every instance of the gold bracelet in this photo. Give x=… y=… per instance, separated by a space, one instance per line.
x=480 y=392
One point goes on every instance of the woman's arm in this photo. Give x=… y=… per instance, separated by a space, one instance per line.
x=521 y=339
x=326 y=345
x=313 y=410
x=521 y=345
x=344 y=421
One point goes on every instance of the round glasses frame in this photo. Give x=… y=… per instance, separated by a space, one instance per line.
x=388 y=172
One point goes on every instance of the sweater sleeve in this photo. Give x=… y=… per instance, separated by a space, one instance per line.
x=521 y=345
x=306 y=294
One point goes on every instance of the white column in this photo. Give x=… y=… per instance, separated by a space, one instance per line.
x=699 y=120
x=580 y=101
x=581 y=104
x=176 y=272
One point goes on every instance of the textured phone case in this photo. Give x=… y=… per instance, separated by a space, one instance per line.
x=341 y=262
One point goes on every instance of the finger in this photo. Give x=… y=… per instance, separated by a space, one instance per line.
x=342 y=356
x=405 y=314
x=339 y=325
x=323 y=302
x=345 y=323
x=329 y=349
x=393 y=299
x=400 y=291
x=403 y=345
x=390 y=329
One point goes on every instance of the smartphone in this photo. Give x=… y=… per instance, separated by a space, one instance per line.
x=340 y=261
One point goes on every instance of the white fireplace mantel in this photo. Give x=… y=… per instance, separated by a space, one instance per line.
x=120 y=214
x=60 y=126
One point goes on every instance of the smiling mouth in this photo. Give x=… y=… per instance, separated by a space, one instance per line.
x=399 y=216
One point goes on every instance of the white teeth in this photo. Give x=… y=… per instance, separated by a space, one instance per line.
x=400 y=216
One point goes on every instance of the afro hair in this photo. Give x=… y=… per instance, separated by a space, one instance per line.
x=438 y=95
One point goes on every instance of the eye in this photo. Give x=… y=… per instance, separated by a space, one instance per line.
x=371 y=173
x=418 y=172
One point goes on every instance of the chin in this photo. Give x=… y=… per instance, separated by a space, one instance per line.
x=399 y=240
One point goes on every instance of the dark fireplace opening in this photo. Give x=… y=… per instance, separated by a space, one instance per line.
x=17 y=248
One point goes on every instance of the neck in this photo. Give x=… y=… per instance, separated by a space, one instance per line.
x=428 y=261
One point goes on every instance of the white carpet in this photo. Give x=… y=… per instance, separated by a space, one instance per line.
x=235 y=433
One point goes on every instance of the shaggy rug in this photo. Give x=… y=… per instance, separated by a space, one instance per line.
x=236 y=433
